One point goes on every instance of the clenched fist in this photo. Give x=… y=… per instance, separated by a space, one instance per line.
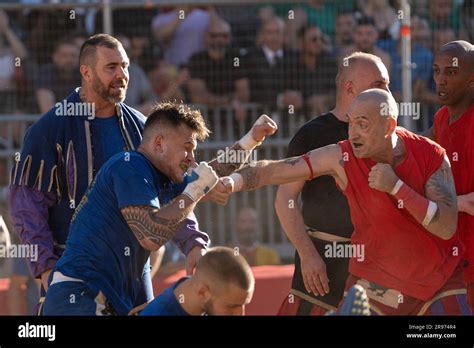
x=201 y=180
x=382 y=177
x=264 y=126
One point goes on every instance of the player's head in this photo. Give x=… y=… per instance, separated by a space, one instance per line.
x=218 y=36
x=65 y=56
x=453 y=72
x=365 y=34
x=272 y=33
x=170 y=138
x=359 y=72
x=224 y=282
x=372 y=120
x=246 y=226
x=104 y=67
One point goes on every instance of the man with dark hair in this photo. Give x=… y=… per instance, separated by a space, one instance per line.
x=365 y=38
x=223 y=284
x=65 y=149
x=453 y=128
x=136 y=204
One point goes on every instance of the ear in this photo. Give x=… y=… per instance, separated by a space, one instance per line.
x=159 y=143
x=203 y=292
x=349 y=88
x=391 y=124
x=86 y=72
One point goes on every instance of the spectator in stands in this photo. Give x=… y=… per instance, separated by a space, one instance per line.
x=442 y=35
x=444 y=13
x=268 y=67
x=247 y=240
x=216 y=74
x=182 y=31
x=57 y=79
x=385 y=17
x=422 y=60
x=12 y=54
x=345 y=26
x=315 y=72
x=365 y=38
x=140 y=94
x=169 y=82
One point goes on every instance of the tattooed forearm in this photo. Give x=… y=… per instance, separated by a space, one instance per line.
x=230 y=159
x=155 y=225
x=440 y=187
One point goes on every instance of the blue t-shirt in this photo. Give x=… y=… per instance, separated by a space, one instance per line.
x=107 y=135
x=166 y=303
x=101 y=249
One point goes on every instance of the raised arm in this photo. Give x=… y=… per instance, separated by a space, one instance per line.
x=322 y=161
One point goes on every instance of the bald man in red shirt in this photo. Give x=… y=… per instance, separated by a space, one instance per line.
x=402 y=201
x=453 y=129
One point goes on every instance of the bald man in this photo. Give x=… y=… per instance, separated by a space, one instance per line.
x=453 y=128
x=402 y=201
x=222 y=284
x=324 y=218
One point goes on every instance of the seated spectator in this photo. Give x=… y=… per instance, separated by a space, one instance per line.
x=247 y=240
x=168 y=82
x=181 y=31
x=365 y=38
x=444 y=13
x=385 y=17
x=59 y=78
x=345 y=26
x=422 y=60
x=12 y=54
x=315 y=72
x=140 y=94
x=268 y=66
x=215 y=79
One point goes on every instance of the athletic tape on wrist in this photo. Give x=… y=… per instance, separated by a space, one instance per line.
x=238 y=181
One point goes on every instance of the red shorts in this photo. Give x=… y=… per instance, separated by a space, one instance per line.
x=451 y=299
x=295 y=305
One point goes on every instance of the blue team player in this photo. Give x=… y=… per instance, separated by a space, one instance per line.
x=222 y=284
x=136 y=203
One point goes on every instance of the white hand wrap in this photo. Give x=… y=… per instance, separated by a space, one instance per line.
x=201 y=180
x=248 y=142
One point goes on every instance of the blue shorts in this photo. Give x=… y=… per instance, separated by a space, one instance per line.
x=74 y=298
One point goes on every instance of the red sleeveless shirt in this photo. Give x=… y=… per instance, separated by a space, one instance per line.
x=399 y=252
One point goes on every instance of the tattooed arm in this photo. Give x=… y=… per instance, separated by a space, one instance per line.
x=324 y=161
x=153 y=227
x=440 y=189
x=232 y=158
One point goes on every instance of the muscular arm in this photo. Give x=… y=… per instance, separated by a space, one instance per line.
x=223 y=167
x=440 y=189
x=153 y=227
x=324 y=161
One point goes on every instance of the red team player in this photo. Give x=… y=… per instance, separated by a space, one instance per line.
x=402 y=201
x=453 y=129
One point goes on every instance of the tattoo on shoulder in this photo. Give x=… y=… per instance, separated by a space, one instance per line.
x=440 y=186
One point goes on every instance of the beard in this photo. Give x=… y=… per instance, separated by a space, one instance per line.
x=106 y=92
